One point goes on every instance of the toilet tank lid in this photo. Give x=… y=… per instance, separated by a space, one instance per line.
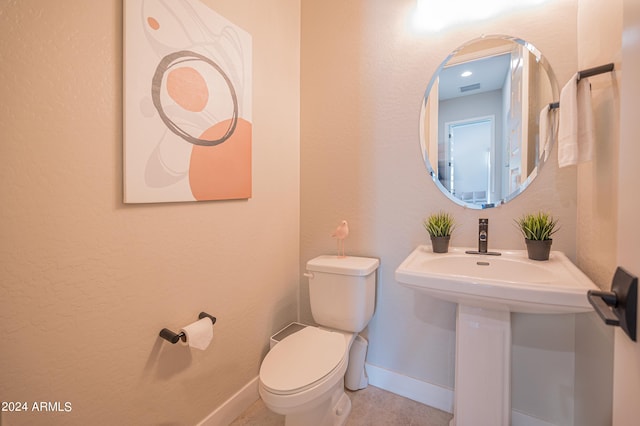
x=348 y=265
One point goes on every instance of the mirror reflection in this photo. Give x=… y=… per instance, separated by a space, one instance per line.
x=480 y=120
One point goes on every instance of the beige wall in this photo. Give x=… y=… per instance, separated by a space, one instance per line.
x=599 y=43
x=364 y=73
x=86 y=282
x=626 y=411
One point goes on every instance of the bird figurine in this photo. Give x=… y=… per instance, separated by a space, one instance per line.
x=341 y=232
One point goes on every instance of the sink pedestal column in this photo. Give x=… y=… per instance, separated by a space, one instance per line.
x=482 y=394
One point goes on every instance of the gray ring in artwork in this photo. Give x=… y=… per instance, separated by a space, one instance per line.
x=177 y=58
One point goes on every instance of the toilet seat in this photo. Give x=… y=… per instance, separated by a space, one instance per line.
x=302 y=360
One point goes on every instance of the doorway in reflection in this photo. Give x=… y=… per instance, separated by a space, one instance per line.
x=469 y=144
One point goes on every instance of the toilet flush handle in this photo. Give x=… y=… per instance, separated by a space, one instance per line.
x=308 y=275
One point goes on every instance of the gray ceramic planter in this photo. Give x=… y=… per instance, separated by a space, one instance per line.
x=440 y=244
x=538 y=249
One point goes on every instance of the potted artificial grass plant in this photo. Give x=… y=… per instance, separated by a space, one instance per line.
x=537 y=229
x=439 y=226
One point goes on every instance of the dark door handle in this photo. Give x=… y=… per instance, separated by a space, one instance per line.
x=602 y=302
x=619 y=306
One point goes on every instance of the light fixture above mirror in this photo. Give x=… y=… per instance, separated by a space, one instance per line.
x=436 y=16
x=479 y=124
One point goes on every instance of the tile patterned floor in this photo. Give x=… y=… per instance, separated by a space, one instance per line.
x=370 y=407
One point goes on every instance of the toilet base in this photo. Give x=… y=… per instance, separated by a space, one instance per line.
x=332 y=411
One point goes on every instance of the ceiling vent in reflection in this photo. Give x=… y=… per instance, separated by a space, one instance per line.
x=469 y=88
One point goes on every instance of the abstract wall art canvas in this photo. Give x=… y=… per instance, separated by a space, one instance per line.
x=187 y=103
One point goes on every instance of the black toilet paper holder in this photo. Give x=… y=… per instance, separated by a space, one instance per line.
x=619 y=306
x=169 y=335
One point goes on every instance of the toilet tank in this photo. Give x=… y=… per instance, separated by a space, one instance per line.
x=342 y=291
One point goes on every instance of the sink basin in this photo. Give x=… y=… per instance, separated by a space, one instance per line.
x=510 y=282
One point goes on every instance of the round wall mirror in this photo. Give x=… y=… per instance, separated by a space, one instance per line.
x=481 y=120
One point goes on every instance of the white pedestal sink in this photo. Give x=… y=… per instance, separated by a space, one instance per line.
x=487 y=289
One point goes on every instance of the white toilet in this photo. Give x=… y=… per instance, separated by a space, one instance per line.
x=302 y=376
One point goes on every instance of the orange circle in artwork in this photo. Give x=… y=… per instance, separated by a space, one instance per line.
x=222 y=172
x=188 y=88
x=153 y=23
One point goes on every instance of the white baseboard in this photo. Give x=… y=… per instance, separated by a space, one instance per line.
x=423 y=392
x=430 y=394
x=521 y=419
x=234 y=406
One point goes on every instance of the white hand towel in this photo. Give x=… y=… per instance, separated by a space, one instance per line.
x=545 y=125
x=575 y=132
x=586 y=131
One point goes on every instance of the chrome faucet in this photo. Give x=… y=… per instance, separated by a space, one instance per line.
x=483 y=239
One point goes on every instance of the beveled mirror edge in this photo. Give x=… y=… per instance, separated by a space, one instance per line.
x=541 y=161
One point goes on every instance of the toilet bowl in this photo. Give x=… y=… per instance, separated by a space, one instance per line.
x=302 y=376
